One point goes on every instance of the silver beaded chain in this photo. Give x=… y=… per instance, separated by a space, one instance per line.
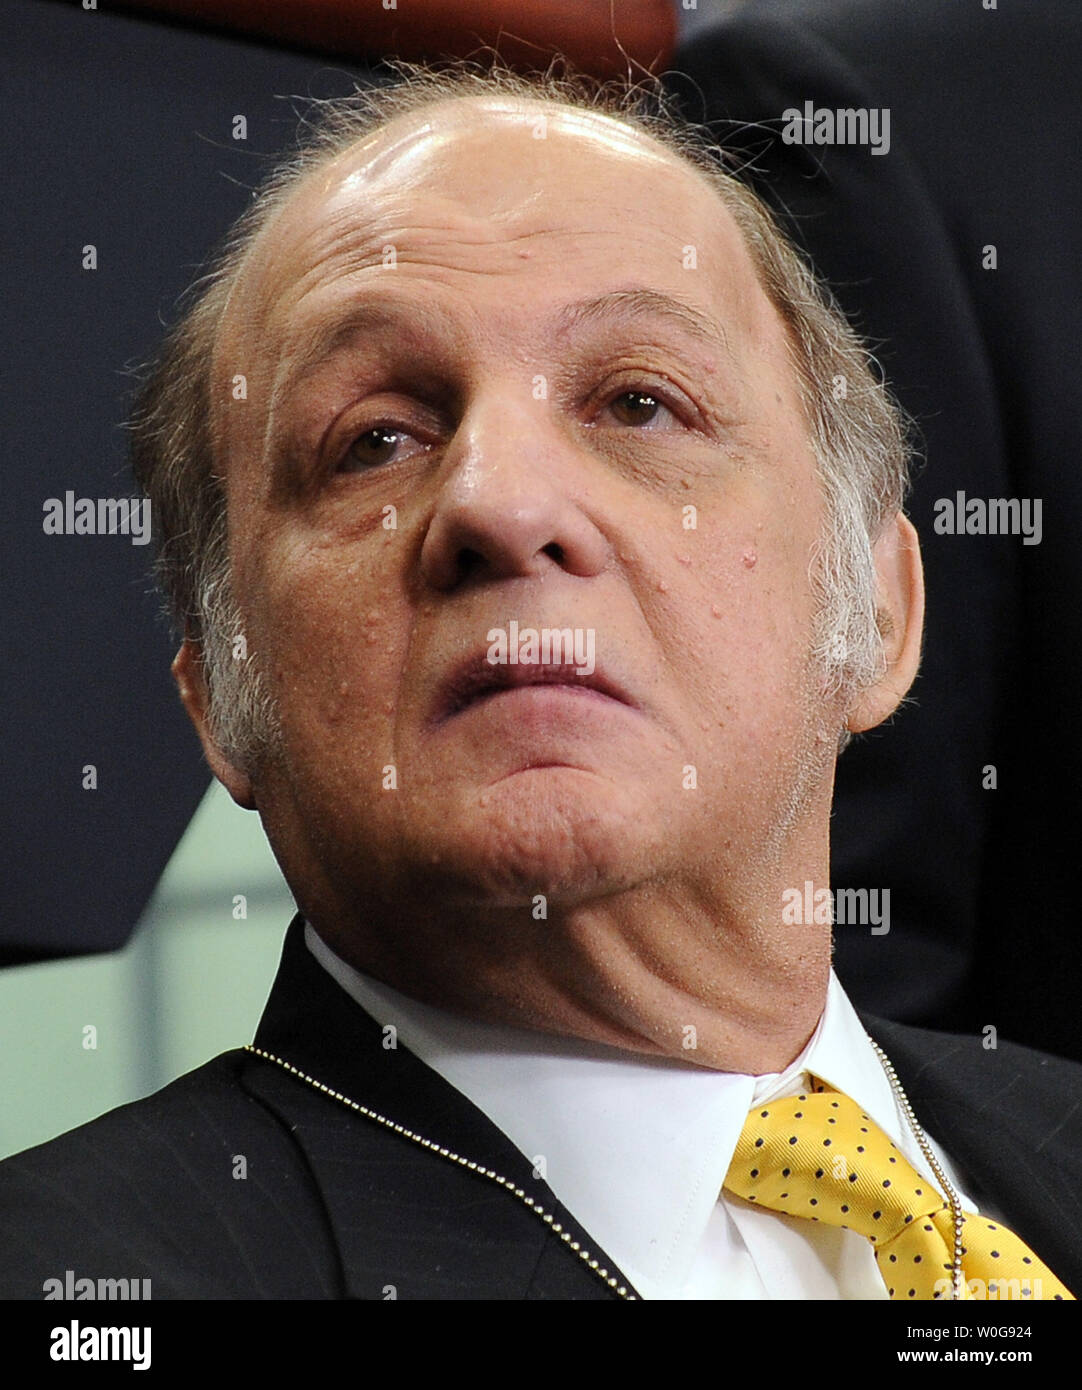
x=595 y=1265
x=952 y=1198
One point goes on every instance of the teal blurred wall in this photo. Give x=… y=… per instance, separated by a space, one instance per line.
x=191 y=983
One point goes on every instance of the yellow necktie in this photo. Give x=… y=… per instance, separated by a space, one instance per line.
x=819 y=1156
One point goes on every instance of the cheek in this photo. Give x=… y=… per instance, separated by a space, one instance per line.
x=333 y=634
x=740 y=623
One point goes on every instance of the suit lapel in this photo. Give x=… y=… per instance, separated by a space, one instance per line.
x=402 y=1211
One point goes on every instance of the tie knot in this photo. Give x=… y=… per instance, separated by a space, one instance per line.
x=817 y=1155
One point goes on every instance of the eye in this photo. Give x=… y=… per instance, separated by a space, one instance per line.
x=379 y=445
x=638 y=408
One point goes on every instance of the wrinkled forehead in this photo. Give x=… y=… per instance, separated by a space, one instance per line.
x=515 y=163
x=482 y=149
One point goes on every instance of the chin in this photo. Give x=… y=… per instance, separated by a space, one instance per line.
x=560 y=832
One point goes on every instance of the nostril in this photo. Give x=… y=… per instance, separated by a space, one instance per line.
x=555 y=552
x=469 y=561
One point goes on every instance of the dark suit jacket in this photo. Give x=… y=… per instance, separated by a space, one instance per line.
x=338 y=1204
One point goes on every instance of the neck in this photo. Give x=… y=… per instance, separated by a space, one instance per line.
x=659 y=971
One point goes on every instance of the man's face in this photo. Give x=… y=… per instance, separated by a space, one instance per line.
x=475 y=401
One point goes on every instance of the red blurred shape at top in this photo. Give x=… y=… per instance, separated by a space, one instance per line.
x=601 y=37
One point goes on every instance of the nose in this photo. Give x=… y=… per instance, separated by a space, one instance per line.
x=509 y=506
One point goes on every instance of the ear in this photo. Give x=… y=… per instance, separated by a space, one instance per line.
x=900 y=611
x=191 y=682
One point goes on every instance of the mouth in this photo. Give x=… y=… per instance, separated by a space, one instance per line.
x=477 y=680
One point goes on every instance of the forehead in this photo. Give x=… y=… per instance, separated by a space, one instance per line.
x=498 y=205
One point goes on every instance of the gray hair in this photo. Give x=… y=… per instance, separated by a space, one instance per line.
x=857 y=434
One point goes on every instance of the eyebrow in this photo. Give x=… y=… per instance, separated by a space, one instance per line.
x=636 y=302
x=327 y=339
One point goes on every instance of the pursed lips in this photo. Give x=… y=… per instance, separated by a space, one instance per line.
x=478 y=679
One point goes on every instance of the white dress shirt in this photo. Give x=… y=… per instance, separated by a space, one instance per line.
x=637 y=1148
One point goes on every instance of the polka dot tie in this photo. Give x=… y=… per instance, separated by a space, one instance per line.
x=819 y=1156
